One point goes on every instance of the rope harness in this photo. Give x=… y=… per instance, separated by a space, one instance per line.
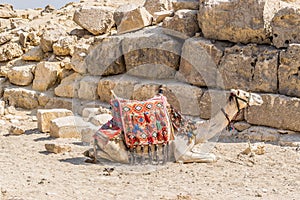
x=236 y=99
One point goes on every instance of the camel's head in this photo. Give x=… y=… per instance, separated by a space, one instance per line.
x=246 y=98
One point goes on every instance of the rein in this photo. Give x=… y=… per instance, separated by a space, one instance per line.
x=236 y=99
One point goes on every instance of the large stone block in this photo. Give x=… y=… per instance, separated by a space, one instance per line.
x=277 y=111
x=46 y=74
x=153 y=6
x=285 y=26
x=67 y=127
x=64 y=46
x=236 y=21
x=184 y=21
x=44 y=117
x=96 y=19
x=20 y=97
x=151 y=54
x=185 y=4
x=133 y=20
x=68 y=86
x=7 y=11
x=88 y=88
x=199 y=61
x=10 y=50
x=106 y=58
x=289 y=71
x=183 y=97
x=123 y=86
x=51 y=36
x=21 y=75
x=250 y=67
x=77 y=61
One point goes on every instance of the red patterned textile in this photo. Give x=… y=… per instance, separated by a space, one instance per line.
x=143 y=122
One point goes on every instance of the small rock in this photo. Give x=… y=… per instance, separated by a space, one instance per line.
x=34 y=54
x=99 y=120
x=55 y=148
x=15 y=130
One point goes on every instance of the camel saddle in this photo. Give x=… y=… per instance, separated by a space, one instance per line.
x=139 y=123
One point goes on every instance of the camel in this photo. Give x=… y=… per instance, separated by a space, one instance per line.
x=180 y=149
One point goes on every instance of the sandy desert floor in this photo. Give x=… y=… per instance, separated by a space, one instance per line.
x=28 y=171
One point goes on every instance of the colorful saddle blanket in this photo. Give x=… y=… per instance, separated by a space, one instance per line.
x=143 y=122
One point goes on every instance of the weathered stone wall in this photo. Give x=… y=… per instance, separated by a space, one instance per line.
x=195 y=49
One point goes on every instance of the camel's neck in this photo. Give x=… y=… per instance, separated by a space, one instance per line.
x=216 y=124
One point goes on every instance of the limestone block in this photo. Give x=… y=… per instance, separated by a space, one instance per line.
x=250 y=67
x=160 y=16
x=88 y=133
x=59 y=102
x=68 y=86
x=292 y=140
x=21 y=75
x=134 y=20
x=123 y=86
x=64 y=46
x=20 y=97
x=88 y=88
x=121 y=11
x=183 y=97
x=199 y=61
x=5 y=24
x=277 y=111
x=7 y=11
x=46 y=74
x=241 y=126
x=211 y=103
x=153 y=6
x=285 y=26
x=67 y=127
x=185 y=4
x=89 y=112
x=4 y=38
x=96 y=19
x=51 y=36
x=2 y=81
x=10 y=50
x=57 y=148
x=106 y=58
x=151 y=54
x=235 y=21
x=78 y=58
x=2 y=107
x=34 y=54
x=289 y=71
x=44 y=116
x=184 y=21
x=101 y=119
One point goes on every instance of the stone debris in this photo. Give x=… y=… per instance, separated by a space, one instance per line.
x=133 y=20
x=44 y=117
x=96 y=19
x=34 y=54
x=57 y=148
x=101 y=119
x=16 y=130
x=21 y=75
x=45 y=75
x=256 y=148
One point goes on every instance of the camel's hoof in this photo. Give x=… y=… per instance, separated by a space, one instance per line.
x=93 y=161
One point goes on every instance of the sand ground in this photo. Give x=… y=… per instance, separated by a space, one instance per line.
x=28 y=171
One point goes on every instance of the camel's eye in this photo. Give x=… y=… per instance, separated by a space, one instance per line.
x=238 y=92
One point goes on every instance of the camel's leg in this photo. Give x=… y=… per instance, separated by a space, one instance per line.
x=190 y=157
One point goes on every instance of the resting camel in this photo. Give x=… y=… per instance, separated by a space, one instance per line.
x=181 y=147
